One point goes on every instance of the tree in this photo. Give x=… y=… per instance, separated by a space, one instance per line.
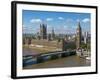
x=85 y=46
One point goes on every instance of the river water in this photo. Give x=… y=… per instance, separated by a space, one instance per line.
x=70 y=61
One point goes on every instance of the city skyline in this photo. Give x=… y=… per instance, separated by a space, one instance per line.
x=61 y=22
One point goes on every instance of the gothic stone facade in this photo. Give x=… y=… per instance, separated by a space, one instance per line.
x=78 y=36
x=43 y=31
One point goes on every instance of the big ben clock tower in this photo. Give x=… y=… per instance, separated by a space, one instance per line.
x=78 y=36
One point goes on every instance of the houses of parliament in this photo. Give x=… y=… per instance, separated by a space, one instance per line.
x=44 y=35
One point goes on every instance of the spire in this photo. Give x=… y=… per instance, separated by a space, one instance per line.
x=52 y=30
x=79 y=26
x=53 y=34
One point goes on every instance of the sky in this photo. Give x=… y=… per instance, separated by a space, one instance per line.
x=61 y=22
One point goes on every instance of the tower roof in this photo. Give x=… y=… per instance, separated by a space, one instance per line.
x=43 y=25
x=79 y=26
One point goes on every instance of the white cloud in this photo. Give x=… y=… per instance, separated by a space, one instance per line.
x=35 y=20
x=86 y=20
x=69 y=20
x=61 y=18
x=65 y=26
x=78 y=20
x=49 y=19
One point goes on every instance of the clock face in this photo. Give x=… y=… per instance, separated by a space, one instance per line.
x=77 y=31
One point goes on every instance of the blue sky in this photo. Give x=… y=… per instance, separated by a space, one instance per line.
x=61 y=22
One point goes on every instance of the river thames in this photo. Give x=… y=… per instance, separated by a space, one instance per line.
x=69 y=61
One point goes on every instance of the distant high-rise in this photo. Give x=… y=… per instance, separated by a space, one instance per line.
x=53 y=34
x=85 y=37
x=78 y=36
x=43 y=31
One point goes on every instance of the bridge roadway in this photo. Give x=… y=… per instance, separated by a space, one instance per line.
x=30 y=59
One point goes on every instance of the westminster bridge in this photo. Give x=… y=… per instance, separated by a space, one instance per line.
x=40 y=58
